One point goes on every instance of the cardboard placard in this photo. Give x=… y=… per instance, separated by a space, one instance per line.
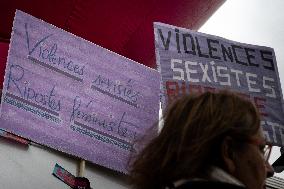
x=191 y=61
x=74 y=96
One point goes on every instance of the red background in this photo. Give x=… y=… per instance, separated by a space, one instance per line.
x=123 y=26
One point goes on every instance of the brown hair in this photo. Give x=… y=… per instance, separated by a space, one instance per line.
x=189 y=142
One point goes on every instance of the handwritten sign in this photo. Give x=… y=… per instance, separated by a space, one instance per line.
x=195 y=62
x=74 y=96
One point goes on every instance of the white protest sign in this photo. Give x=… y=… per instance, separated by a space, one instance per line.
x=191 y=61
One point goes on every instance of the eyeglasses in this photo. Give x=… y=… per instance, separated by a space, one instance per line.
x=264 y=148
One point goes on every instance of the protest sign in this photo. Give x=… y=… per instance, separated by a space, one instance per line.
x=74 y=96
x=195 y=62
x=14 y=137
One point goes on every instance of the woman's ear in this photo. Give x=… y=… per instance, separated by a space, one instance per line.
x=228 y=154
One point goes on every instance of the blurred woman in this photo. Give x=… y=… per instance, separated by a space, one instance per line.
x=212 y=140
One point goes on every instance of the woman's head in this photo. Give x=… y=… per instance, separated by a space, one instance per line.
x=192 y=138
